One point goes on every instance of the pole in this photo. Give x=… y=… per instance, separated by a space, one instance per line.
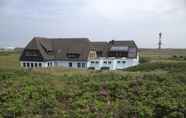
x=160 y=43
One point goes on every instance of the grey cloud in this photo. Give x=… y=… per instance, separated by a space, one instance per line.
x=23 y=19
x=4 y=2
x=41 y=8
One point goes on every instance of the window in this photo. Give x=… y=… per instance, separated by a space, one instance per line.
x=83 y=65
x=70 y=64
x=109 y=62
x=92 y=62
x=73 y=55
x=28 y=65
x=32 y=65
x=92 y=55
x=24 y=64
x=132 y=52
x=79 y=65
x=97 y=62
x=99 y=53
x=36 y=65
x=119 y=48
x=40 y=65
x=118 y=54
x=92 y=49
x=118 y=62
x=123 y=62
x=105 y=68
x=105 y=62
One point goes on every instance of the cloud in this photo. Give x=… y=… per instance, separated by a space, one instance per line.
x=40 y=8
x=112 y=9
x=2 y=3
x=104 y=7
x=138 y=20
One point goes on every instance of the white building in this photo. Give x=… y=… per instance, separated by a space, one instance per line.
x=111 y=63
x=79 y=53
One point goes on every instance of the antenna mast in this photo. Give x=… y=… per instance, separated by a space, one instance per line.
x=160 y=42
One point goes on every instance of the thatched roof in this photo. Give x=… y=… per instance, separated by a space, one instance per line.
x=58 y=48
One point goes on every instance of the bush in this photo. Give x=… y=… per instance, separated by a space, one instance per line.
x=103 y=94
x=170 y=67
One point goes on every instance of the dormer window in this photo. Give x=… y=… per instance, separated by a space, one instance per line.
x=92 y=49
x=31 y=53
x=99 y=53
x=73 y=55
x=50 y=52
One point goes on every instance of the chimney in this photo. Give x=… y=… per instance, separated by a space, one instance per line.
x=112 y=42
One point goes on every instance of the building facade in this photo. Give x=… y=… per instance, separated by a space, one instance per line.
x=79 y=53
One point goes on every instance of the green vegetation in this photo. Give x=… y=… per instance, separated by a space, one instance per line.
x=154 y=89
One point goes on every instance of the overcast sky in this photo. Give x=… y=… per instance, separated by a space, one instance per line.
x=99 y=20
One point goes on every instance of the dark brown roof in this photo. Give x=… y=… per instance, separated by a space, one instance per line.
x=129 y=43
x=58 y=48
x=99 y=46
x=70 y=45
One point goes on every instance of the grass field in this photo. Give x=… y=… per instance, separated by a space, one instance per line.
x=9 y=60
x=164 y=55
x=154 y=89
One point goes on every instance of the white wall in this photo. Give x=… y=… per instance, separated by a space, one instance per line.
x=74 y=64
x=114 y=65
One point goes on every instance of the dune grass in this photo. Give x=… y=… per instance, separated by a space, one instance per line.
x=154 y=89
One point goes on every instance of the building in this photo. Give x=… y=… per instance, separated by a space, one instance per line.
x=79 y=53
